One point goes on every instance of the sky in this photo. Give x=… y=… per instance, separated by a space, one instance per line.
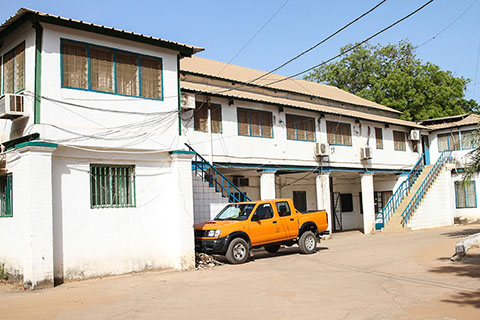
x=223 y=28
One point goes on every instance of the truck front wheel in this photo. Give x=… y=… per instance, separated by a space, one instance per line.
x=237 y=251
x=307 y=242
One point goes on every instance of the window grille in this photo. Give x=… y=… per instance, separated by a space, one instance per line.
x=6 y=196
x=112 y=186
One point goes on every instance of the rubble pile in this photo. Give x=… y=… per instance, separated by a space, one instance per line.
x=203 y=260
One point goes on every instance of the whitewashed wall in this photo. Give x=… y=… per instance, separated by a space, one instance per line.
x=468 y=214
x=230 y=147
x=92 y=242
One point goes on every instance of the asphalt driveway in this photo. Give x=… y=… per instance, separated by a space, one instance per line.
x=352 y=276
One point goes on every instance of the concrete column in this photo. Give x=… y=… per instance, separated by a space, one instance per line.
x=322 y=182
x=182 y=238
x=368 y=203
x=33 y=198
x=267 y=184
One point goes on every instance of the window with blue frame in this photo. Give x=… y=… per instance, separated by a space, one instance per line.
x=465 y=194
x=448 y=141
x=255 y=123
x=90 y=67
x=300 y=128
x=339 y=133
x=468 y=140
x=112 y=186
x=6 y=196
x=14 y=70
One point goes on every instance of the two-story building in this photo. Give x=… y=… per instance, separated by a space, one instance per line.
x=95 y=179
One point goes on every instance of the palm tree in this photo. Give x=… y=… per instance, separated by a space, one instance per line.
x=473 y=165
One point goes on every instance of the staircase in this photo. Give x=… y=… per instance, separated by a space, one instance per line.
x=413 y=195
x=212 y=190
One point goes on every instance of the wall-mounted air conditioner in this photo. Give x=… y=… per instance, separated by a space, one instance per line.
x=12 y=106
x=366 y=153
x=414 y=135
x=187 y=101
x=322 y=149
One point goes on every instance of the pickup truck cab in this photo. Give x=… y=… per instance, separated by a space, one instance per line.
x=241 y=226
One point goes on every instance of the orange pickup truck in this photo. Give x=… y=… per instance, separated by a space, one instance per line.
x=242 y=226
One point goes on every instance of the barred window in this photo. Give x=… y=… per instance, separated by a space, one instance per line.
x=300 y=128
x=465 y=194
x=6 y=196
x=254 y=123
x=112 y=186
x=379 y=138
x=399 y=141
x=448 y=141
x=86 y=66
x=339 y=133
x=14 y=70
x=201 y=117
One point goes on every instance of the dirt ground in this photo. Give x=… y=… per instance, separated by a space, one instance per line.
x=352 y=276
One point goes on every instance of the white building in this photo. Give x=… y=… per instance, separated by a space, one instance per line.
x=95 y=177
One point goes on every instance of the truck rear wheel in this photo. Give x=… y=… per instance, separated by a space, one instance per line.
x=237 y=251
x=307 y=242
x=273 y=248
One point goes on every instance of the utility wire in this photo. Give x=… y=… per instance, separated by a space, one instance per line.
x=449 y=25
x=253 y=37
x=349 y=49
x=319 y=43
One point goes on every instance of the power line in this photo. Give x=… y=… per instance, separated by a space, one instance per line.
x=253 y=37
x=319 y=43
x=351 y=48
x=449 y=25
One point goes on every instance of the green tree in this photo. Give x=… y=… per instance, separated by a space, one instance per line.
x=393 y=76
x=473 y=165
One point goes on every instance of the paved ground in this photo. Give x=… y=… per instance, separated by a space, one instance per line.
x=383 y=276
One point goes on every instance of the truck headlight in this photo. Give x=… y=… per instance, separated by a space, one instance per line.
x=214 y=233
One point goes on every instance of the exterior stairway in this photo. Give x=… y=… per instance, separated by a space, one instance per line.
x=413 y=193
x=395 y=222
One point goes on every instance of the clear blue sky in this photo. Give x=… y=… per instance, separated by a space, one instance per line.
x=223 y=27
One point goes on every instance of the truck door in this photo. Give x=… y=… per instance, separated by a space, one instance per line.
x=288 y=224
x=267 y=228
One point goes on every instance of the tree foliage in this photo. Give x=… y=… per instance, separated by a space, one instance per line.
x=473 y=165
x=393 y=76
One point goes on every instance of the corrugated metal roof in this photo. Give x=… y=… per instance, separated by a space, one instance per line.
x=258 y=97
x=50 y=18
x=230 y=72
x=451 y=122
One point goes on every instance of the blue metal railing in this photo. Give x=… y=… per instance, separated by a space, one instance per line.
x=216 y=179
x=403 y=190
x=426 y=184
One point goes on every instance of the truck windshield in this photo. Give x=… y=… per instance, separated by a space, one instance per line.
x=235 y=212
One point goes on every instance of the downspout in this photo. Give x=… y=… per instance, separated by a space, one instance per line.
x=38 y=71
x=179 y=98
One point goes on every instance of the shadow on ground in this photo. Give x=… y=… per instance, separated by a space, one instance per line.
x=462 y=233
x=262 y=254
x=465 y=298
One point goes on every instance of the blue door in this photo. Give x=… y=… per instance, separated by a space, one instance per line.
x=426 y=149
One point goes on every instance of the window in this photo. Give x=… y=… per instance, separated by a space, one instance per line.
x=399 y=141
x=14 y=70
x=264 y=211
x=300 y=128
x=283 y=209
x=465 y=195
x=201 y=117
x=112 y=186
x=346 y=200
x=6 y=196
x=379 y=138
x=90 y=67
x=468 y=140
x=254 y=123
x=448 y=141
x=339 y=133
x=300 y=200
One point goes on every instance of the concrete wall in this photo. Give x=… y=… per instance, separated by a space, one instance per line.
x=229 y=147
x=435 y=208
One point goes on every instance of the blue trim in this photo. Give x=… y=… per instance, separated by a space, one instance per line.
x=250 y=124
x=13 y=68
x=296 y=127
x=115 y=70
x=36 y=144
x=182 y=152
x=89 y=71
x=337 y=123
x=465 y=194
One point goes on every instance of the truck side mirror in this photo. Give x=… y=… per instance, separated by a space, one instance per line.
x=255 y=218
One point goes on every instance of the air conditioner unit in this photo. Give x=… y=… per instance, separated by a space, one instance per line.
x=322 y=149
x=366 y=153
x=187 y=101
x=414 y=135
x=12 y=106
